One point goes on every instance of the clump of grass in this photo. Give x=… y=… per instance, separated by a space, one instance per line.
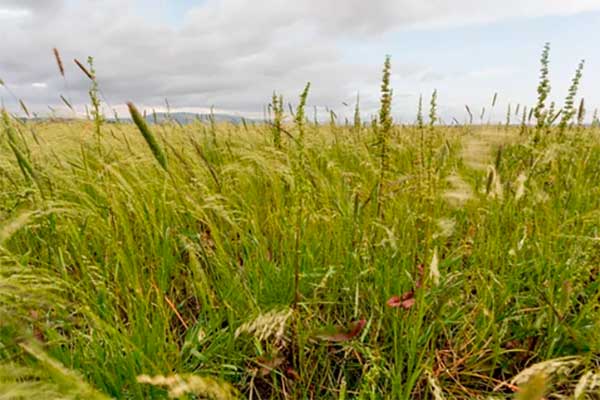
x=94 y=93
x=300 y=116
x=552 y=115
x=543 y=90
x=22 y=160
x=433 y=119
x=70 y=383
x=267 y=326
x=95 y=99
x=523 y=127
x=568 y=110
x=581 y=112
x=383 y=130
x=595 y=119
x=151 y=141
x=277 y=106
x=421 y=130
x=270 y=270
x=357 y=123
x=180 y=386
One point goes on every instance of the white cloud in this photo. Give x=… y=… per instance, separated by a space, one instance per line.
x=10 y=14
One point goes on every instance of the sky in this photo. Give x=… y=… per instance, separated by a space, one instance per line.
x=232 y=54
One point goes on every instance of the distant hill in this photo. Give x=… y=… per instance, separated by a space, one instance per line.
x=188 y=118
x=182 y=118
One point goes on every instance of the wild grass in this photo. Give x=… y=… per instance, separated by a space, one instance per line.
x=223 y=261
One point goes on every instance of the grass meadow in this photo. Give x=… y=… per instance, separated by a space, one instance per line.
x=293 y=259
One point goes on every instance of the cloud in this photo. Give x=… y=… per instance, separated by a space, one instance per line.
x=227 y=53
x=8 y=14
x=343 y=17
x=34 y=8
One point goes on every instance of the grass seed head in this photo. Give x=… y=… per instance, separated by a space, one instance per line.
x=140 y=122
x=59 y=63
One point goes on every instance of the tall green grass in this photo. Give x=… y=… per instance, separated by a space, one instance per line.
x=324 y=262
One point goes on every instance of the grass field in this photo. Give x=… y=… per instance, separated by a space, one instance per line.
x=297 y=260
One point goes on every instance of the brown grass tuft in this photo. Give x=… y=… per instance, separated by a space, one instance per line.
x=59 y=62
x=84 y=69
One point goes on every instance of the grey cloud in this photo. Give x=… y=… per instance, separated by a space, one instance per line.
x=41 y=11
x=32 y=5
x=359 y=17
x=227 y=53
x=139 y=60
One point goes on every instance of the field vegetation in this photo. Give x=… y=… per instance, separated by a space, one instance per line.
x=293 y=259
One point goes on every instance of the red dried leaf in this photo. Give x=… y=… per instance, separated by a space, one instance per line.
x=406 y=301
x=394 y=301
x=343 y=334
